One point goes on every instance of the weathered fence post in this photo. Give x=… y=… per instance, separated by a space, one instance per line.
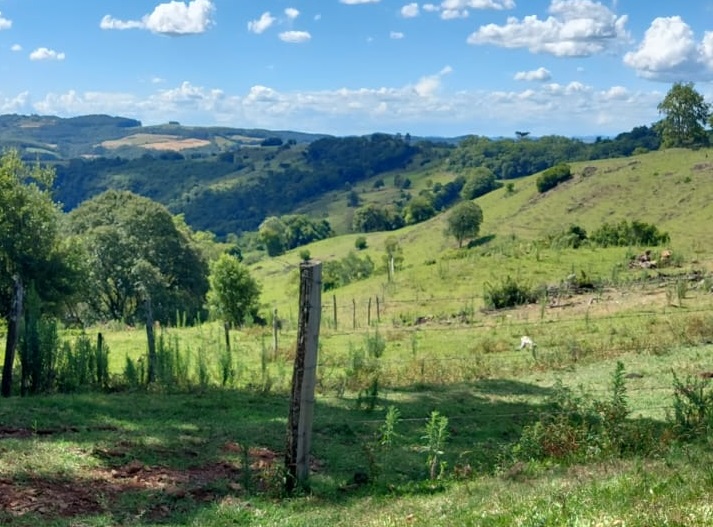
x=13 y=334
x=334 y=304
x=151 y=337
x=368 y=313
x=378 y=311
x=275 y=328
x=299 y=424
x=353 y=313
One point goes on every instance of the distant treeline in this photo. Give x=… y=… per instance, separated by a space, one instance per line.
x=235 y=191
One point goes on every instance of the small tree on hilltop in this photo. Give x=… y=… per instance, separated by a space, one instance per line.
x=464 y=221
x=685 y=116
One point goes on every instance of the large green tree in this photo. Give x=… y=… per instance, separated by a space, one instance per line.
x=33 y=253
x=464 y=221
x=234 y=294
x=141 y=259
x=686 y=114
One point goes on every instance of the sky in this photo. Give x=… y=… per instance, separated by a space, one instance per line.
x=351 y=67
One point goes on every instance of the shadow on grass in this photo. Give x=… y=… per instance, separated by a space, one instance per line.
x=152 y=458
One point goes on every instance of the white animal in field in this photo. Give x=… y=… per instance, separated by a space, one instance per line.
x=526 y=342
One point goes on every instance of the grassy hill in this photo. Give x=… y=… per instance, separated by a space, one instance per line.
x=666 y=188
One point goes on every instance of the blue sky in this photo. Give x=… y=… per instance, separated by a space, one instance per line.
x=352 y=67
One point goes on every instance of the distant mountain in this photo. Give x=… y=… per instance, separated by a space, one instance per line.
x=55 y=138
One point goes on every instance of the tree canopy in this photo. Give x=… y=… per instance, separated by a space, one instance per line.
x=464 y=221
x=137 y=250
x=234 y=294
x=686 y=115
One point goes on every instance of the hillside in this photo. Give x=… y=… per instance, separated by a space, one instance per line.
x=56 y=138
x=666 y=188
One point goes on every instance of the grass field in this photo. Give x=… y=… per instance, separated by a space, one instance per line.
x=209 y=450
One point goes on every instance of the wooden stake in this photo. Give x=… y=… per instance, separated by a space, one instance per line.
x=299 y=424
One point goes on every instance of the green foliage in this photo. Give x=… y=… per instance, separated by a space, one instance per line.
x=360 y=243
x=234 y=294
x=692 y=407
x=435 y=437
x=579 y=428
x=479 y=182
x=508 y=293
x=373 y=218
x=39 y=347
x=552 y=177
x=82 y=366
x=419 y=209
x=686 y=115
x=136 y=250
x=394 y=257
x=464 y=221
x=625 y=234
x=572 y=237
x=338 y=273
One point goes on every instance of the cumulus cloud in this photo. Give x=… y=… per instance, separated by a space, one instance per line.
x=16 y=47
x=291 y=13
x=5 y=23
x=575 y=28
x=295 y=37
x=396 y=35
x=540 y=74
x=430 y=85
x=172 y=18
x=423 y=108
x=410 y=10
x=669 y=52
x=265 y=21
x=16 y=104
x=46 y=54
x=451 y=9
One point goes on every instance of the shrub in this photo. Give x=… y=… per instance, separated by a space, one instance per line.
x=692 y=407
x=623 y=234
x=508 y=293
x=360 y=243
x=552 y=177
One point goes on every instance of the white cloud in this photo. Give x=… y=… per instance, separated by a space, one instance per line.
x=172 y=18
x=355 y=2
x=669 y=52
x=423 y=108
x=575 y=28
x=265 y=21
x=410 y=10
x=540 y=74
x=16 y=47
x=46 y=54
x=295 y=37
x=452 y=9
x=430 y=85
x=5 y=23
x=396 y=35
x=291 y=13
x=19 y=103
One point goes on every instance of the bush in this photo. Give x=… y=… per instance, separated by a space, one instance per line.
x=552 y=177
x=338 y=273
x=624 y=234
x=508 y=293
x=360 y=243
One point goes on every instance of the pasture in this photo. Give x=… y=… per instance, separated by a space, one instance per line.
x=427 y=412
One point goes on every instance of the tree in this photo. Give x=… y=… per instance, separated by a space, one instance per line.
x=234 y=295
x=32 y=252
x=140 y=257
x=272 y=233
x=464 y=221
x=480 y=181
x=419 y=209
x=685 y=116
x=394 y=257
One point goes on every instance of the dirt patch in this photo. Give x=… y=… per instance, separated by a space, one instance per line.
x=164 y=489
x=702 y=166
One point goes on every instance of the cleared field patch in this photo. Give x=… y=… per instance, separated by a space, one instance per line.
x=157 y=142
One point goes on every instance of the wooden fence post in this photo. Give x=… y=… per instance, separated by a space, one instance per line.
x=299 y=424
x=378 y=312
x=334 y=304
x=353 y=313
x=368 y=313
x=151 y=337
x=275 y=328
